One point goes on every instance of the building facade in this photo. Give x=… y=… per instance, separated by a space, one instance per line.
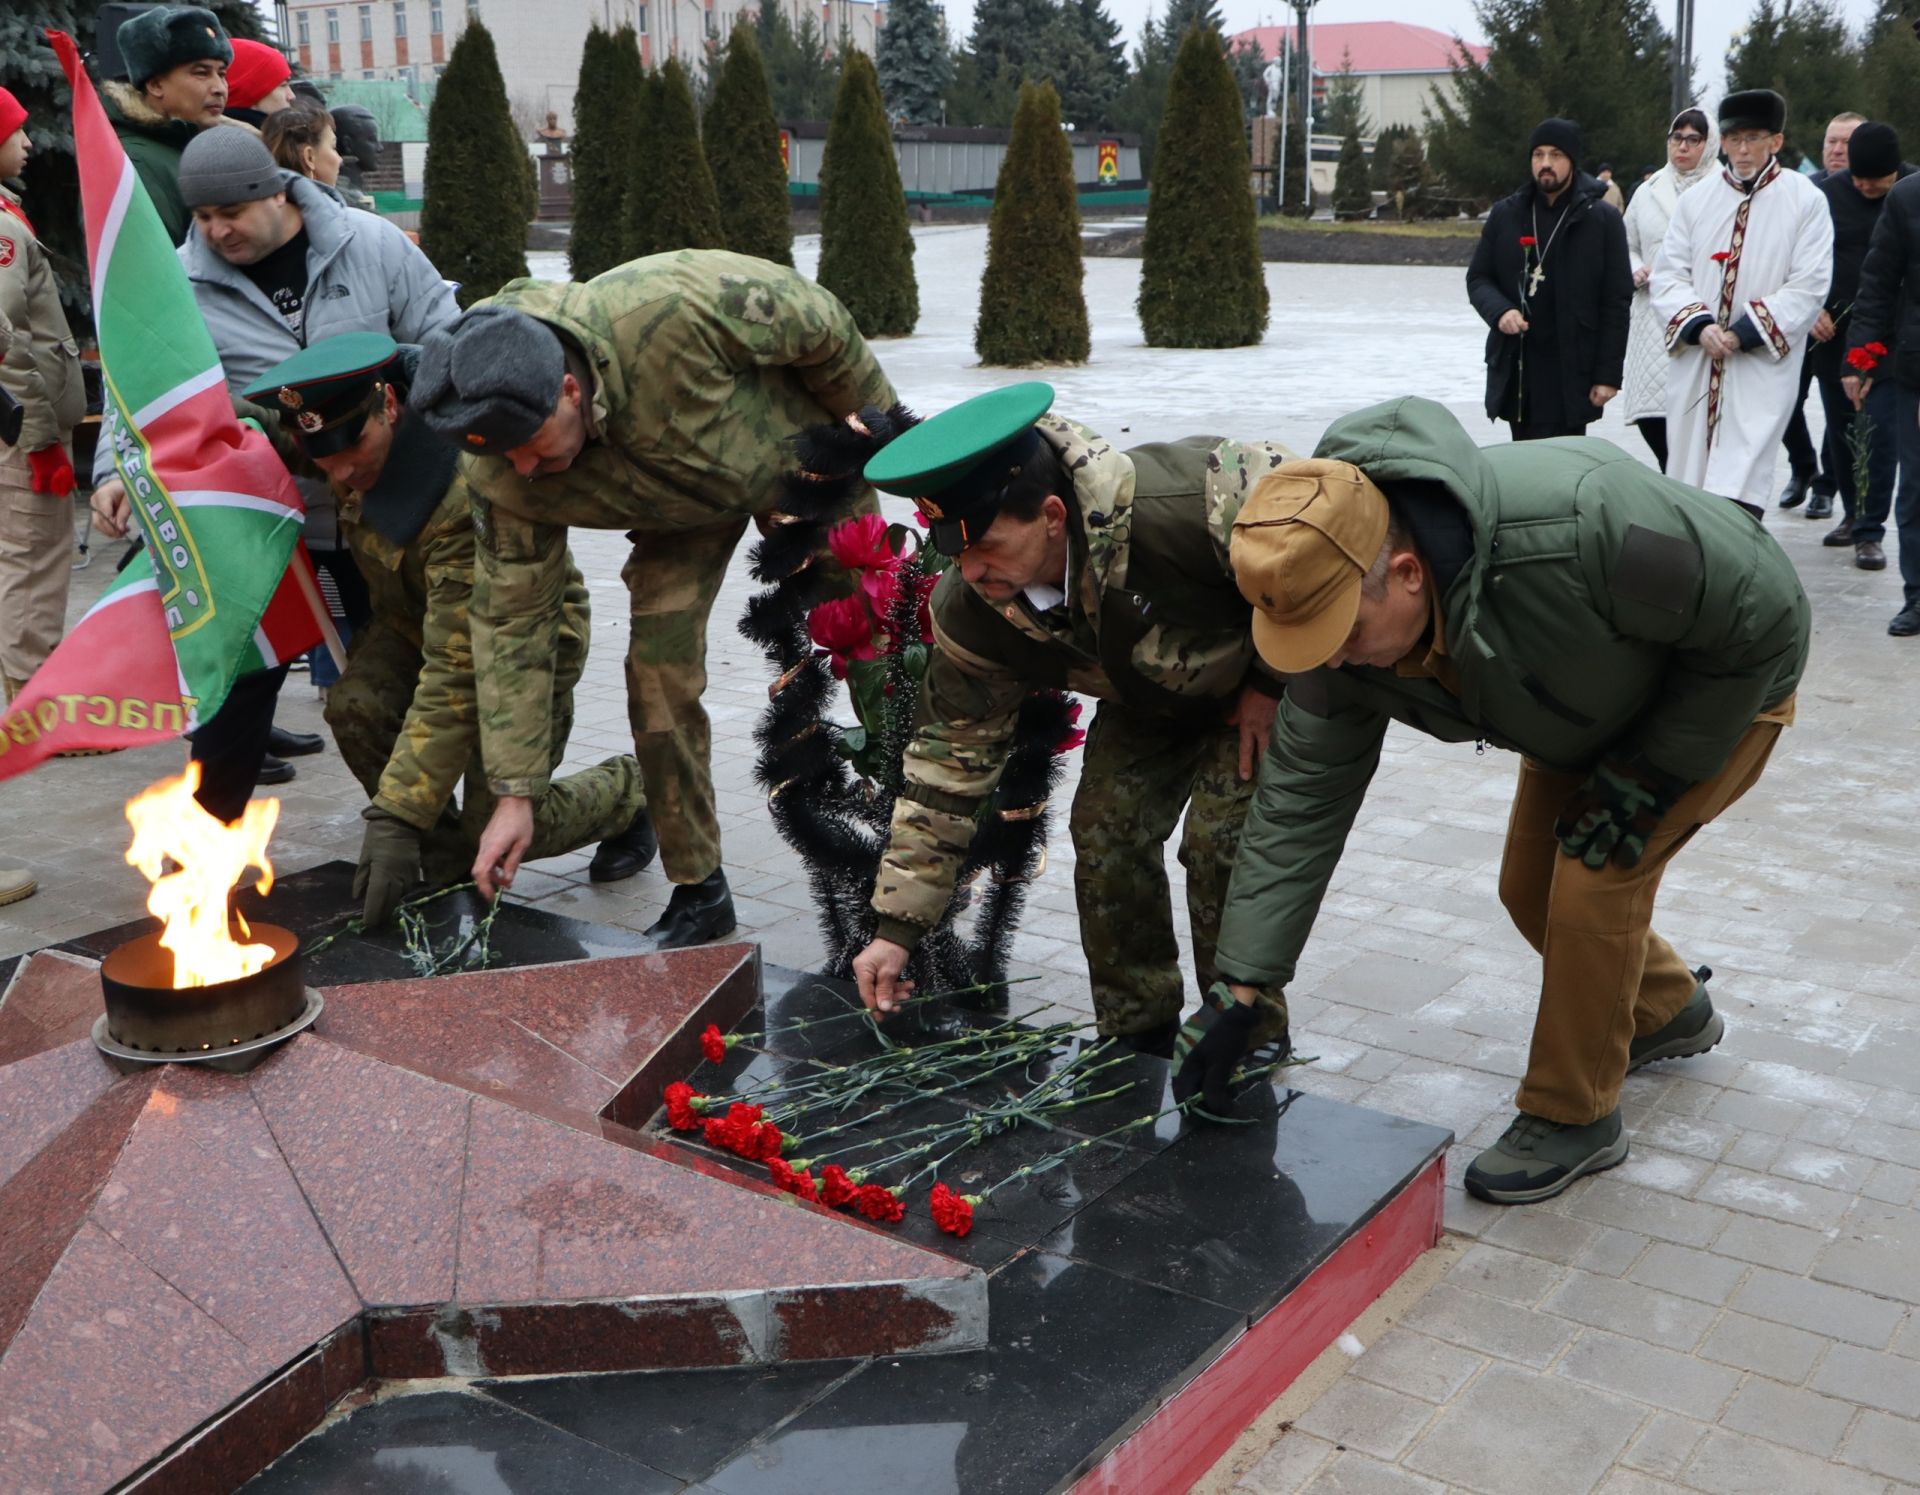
x=539 y=41
x=1401 y=68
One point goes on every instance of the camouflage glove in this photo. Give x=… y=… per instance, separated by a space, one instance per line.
x=389 y=865
x=1209 y=1049
x=1614 y=813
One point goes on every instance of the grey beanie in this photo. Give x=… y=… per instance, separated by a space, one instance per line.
x=224 y=164
x=489 y=381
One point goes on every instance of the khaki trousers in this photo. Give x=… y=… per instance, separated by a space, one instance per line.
x=1605 y=975
x=36 y=565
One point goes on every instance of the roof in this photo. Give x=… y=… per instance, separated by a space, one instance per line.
x=398 y=116
x=1373 y=46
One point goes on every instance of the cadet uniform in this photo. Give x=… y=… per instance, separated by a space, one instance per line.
x=1149 y=622
x=404 y=713
x=695 y=367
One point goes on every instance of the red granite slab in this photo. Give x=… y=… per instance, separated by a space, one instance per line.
x=580 y=1037
x=53 y=999
x=110 y=1370
x=378 y=1152
x=42 y=1093
x=203 y=1197
x=46 y=1202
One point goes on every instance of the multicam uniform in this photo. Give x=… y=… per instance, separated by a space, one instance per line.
x=698 y=366
x=405 y=713
x=1152 y=626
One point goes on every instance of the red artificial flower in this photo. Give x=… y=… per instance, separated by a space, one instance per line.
x=844 y=628
x=1073 y=736
x=1527 y=241
x=952 y=1212
x=1863 y=360
x=881 y=587
x=684 y=1105
x=879 y=1204
x=1721 y=256
x=835 y=1187
x=861 y=544
x=713 y=1044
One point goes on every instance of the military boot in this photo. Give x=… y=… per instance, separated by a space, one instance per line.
x=697 y=913
x=1538 y=1158
x=1693 y=1030
x=619 y=857
x=1155 y=1042
x=16 y=883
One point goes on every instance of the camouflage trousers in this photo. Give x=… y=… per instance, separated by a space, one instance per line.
x=673 y=577
x=366 y=710
x=1139 y=773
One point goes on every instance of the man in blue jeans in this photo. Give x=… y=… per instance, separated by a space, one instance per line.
x=1886 y=316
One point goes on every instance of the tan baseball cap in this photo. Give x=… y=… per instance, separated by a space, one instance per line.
x=1305 y=537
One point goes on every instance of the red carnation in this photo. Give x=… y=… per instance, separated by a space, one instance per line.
x=735 y=1129
x=843 y=627
x=1527 y=241
x=796 y=1181
x=861 y=543
x=879 y=1204
x=835 y=1187
x=1864 y=360
x=762 y=1143
x=1721 y=256
x=781 y=1172
x=952 y=1212
x=1878 y=350
x=684 y=1105
x=713 y=1045
x=719 y=1132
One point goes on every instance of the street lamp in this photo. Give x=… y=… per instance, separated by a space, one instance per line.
x=1682 y=54
x=1300 y=9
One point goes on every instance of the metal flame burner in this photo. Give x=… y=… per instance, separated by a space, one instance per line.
x=231 y=1024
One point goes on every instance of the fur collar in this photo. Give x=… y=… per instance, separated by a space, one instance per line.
x=132 y=106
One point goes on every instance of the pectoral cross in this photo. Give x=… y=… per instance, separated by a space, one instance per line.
x=1534 y=277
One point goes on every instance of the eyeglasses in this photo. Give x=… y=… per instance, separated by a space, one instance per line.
x=1681 y=138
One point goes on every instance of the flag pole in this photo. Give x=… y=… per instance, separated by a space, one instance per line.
x=302 y=570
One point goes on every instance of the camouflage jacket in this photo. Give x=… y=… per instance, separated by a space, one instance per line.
x=700 y=365
x=420 y=582
x=1152 y=619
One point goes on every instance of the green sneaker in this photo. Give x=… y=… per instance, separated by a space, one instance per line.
x=1693 y=1030
x=1538 y=1158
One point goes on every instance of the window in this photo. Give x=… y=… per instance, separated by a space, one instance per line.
x=367 y=74
x=640 y=24
x=435 y=22
x=399 y=18
x=710 y=28
x=333 y=27
x=305 y=38
x=366 y=23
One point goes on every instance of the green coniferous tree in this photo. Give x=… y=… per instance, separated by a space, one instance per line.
x=671 y=202
x=866 y=249
x=1381 y=171
x=1202 y=284
x=637 y=235
x=743 y=150
x=471 y=225
x=1803 y=53
x=1352 y=191
x=1011 y=39
x=1094 y=71
x=1296 y=195
x=1889 y=63
x=605 y=120
x=1031 y=306
x=801 y=74
x=914 y=62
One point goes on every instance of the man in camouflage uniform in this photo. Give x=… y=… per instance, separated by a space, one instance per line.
x=404 y=713
x=654 y=399
x=1083 y=568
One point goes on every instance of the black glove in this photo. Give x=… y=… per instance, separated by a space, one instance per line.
x=1615 y=812
x=389 y=865
x=1209 y=1049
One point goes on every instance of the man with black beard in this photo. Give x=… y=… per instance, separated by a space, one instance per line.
x=1551 y=280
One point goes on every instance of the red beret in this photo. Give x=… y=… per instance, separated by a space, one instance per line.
x=13 y=114
x=256 y=70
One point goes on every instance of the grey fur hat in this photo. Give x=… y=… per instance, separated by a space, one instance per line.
x=489 y=381
x=167 y=37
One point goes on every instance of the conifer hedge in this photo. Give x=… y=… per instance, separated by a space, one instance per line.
x=671 y=203
x=742 y=141
x=866 y=249
x=471 y=223
x=1031 y=306
x=606 y=120
x=1202 y=284
x=1352 y=186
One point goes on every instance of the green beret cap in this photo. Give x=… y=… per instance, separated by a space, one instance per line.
x=327 y=391
x=956 y=466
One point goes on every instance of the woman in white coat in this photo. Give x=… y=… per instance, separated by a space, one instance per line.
x=1691 y=158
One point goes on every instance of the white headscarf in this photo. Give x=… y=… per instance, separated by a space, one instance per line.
x=1709 y=157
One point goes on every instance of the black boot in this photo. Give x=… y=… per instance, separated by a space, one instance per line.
x=1154 y=1042
x=619 y=857
x=696 y=914
x=284 y=744
x=274 y=771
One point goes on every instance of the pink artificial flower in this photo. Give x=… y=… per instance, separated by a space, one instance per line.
x=860 y=544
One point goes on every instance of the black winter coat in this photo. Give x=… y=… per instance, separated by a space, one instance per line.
x=1887 y=309
x=1587 y=275
x=1854 y=219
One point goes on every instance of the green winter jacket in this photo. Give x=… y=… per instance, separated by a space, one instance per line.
x=153 y=143
x=1601 y=609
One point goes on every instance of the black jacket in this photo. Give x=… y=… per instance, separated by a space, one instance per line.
x=1887 y=308
x=1854 y=218
x=1586 y=274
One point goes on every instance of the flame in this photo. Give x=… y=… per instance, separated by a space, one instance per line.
x=209 y=858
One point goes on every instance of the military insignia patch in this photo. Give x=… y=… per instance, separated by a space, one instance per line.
x=931 y=509
x=310 y=421
x=474 y=438
x=290 y=397
x=7 y=252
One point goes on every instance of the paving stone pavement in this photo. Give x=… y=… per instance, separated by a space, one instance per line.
x=1736 y=1309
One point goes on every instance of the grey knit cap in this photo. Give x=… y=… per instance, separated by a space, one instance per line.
x=489 y=381
x=224 y=164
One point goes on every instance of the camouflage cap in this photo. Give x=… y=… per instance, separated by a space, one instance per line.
x=326 y=392
x=957 y=466
x=489 y=381
x=1306 y=536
